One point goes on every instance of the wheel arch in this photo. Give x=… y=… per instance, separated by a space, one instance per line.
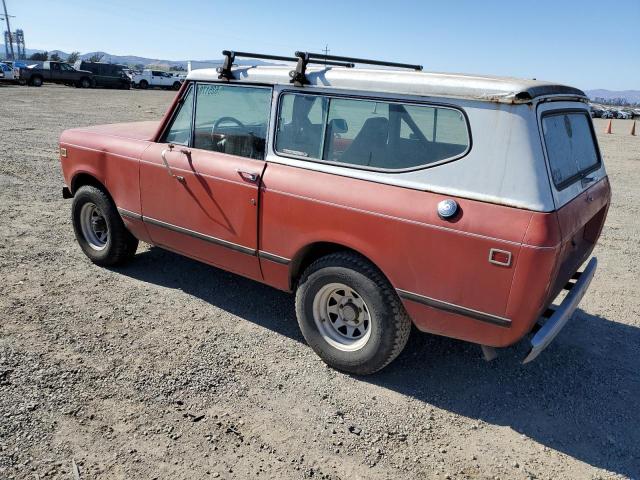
x=313 y=251
x=81 y=179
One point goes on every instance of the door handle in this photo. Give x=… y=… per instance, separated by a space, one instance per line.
x=248 y=176
x=587 y=180
x=166 y=164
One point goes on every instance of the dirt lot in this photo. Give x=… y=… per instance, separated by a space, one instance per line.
x=171 y=369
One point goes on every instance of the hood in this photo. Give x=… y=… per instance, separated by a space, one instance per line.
x=133 y=130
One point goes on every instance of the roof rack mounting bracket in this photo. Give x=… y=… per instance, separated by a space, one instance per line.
x=298 y=76
x=225 y=70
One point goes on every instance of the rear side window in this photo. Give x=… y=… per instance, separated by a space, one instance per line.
x=369 y=134
x=301 y=125
x=571 y=147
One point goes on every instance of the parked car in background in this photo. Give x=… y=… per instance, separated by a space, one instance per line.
x=362 y=192
x=156 y=78
x=636 y=112
x=608 y=114
x=9 y=74
x=56 y=72
x=106 y=74
x=623 y=115
x=596 y=112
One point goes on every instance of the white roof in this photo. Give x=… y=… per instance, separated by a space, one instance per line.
x=406 y=82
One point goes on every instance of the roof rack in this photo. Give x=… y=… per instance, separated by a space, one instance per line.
x=298 y=76
x=230 y=56
x=319 y=56
x=302 y=59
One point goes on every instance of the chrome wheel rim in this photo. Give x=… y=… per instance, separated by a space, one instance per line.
x=95 y=229
x=342 y=317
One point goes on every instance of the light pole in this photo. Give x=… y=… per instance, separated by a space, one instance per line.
x=10 y=39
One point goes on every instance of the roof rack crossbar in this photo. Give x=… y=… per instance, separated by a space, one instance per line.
x=225 y=70
x=320 y=56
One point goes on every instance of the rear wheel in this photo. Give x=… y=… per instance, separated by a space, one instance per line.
x=350 y=315
x=176 y=85
x=36 y=81
x=85 y=83
x=99 y=228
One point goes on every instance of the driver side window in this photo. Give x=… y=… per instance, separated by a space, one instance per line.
x=232 y=119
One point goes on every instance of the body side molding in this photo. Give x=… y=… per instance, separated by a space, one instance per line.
x=129 y=214
x=452 y=308
x=273 y=257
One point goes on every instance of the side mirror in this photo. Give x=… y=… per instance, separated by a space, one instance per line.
x=338 y=125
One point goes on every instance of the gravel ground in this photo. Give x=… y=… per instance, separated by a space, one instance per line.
x=171 y=369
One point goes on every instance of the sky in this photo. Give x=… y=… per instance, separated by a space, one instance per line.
x=584 y=43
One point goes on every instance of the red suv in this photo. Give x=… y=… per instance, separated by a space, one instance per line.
x=381 y=197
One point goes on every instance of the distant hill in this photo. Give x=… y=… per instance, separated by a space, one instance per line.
x=631 y=96
x=135 y=60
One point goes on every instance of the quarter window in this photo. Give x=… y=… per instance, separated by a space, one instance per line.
x=370 y=134
x=180 y=130
x=232 y=119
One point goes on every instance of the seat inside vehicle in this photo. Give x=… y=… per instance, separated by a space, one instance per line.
x=369 y=133
x=300 y=134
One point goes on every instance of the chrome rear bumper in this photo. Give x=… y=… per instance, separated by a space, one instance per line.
x=563 y=313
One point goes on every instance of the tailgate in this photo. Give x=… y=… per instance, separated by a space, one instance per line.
x=581 y=222
x=578 y=182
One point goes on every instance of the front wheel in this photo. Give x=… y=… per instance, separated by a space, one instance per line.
x=99 y=228
x=143 y=84
x=350 y=315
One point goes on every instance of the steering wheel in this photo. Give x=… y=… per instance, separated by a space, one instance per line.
x=223 y=120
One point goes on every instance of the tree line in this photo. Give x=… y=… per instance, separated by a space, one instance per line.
x=73 y=57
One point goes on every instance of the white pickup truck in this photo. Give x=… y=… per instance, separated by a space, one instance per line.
x=8 y=73
x=156 y=78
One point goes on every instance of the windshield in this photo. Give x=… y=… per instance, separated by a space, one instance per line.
x=571 y=147
x=66 y=67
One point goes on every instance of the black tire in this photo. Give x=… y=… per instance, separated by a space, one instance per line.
x=36 y=81
x=389 y=323
x=176 y=85
x=143 y=84
x=120 y=245
x=85 y=82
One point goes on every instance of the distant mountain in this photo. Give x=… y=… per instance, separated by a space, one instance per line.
x=631 y=96
x=135 y=60
x=29 y=51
